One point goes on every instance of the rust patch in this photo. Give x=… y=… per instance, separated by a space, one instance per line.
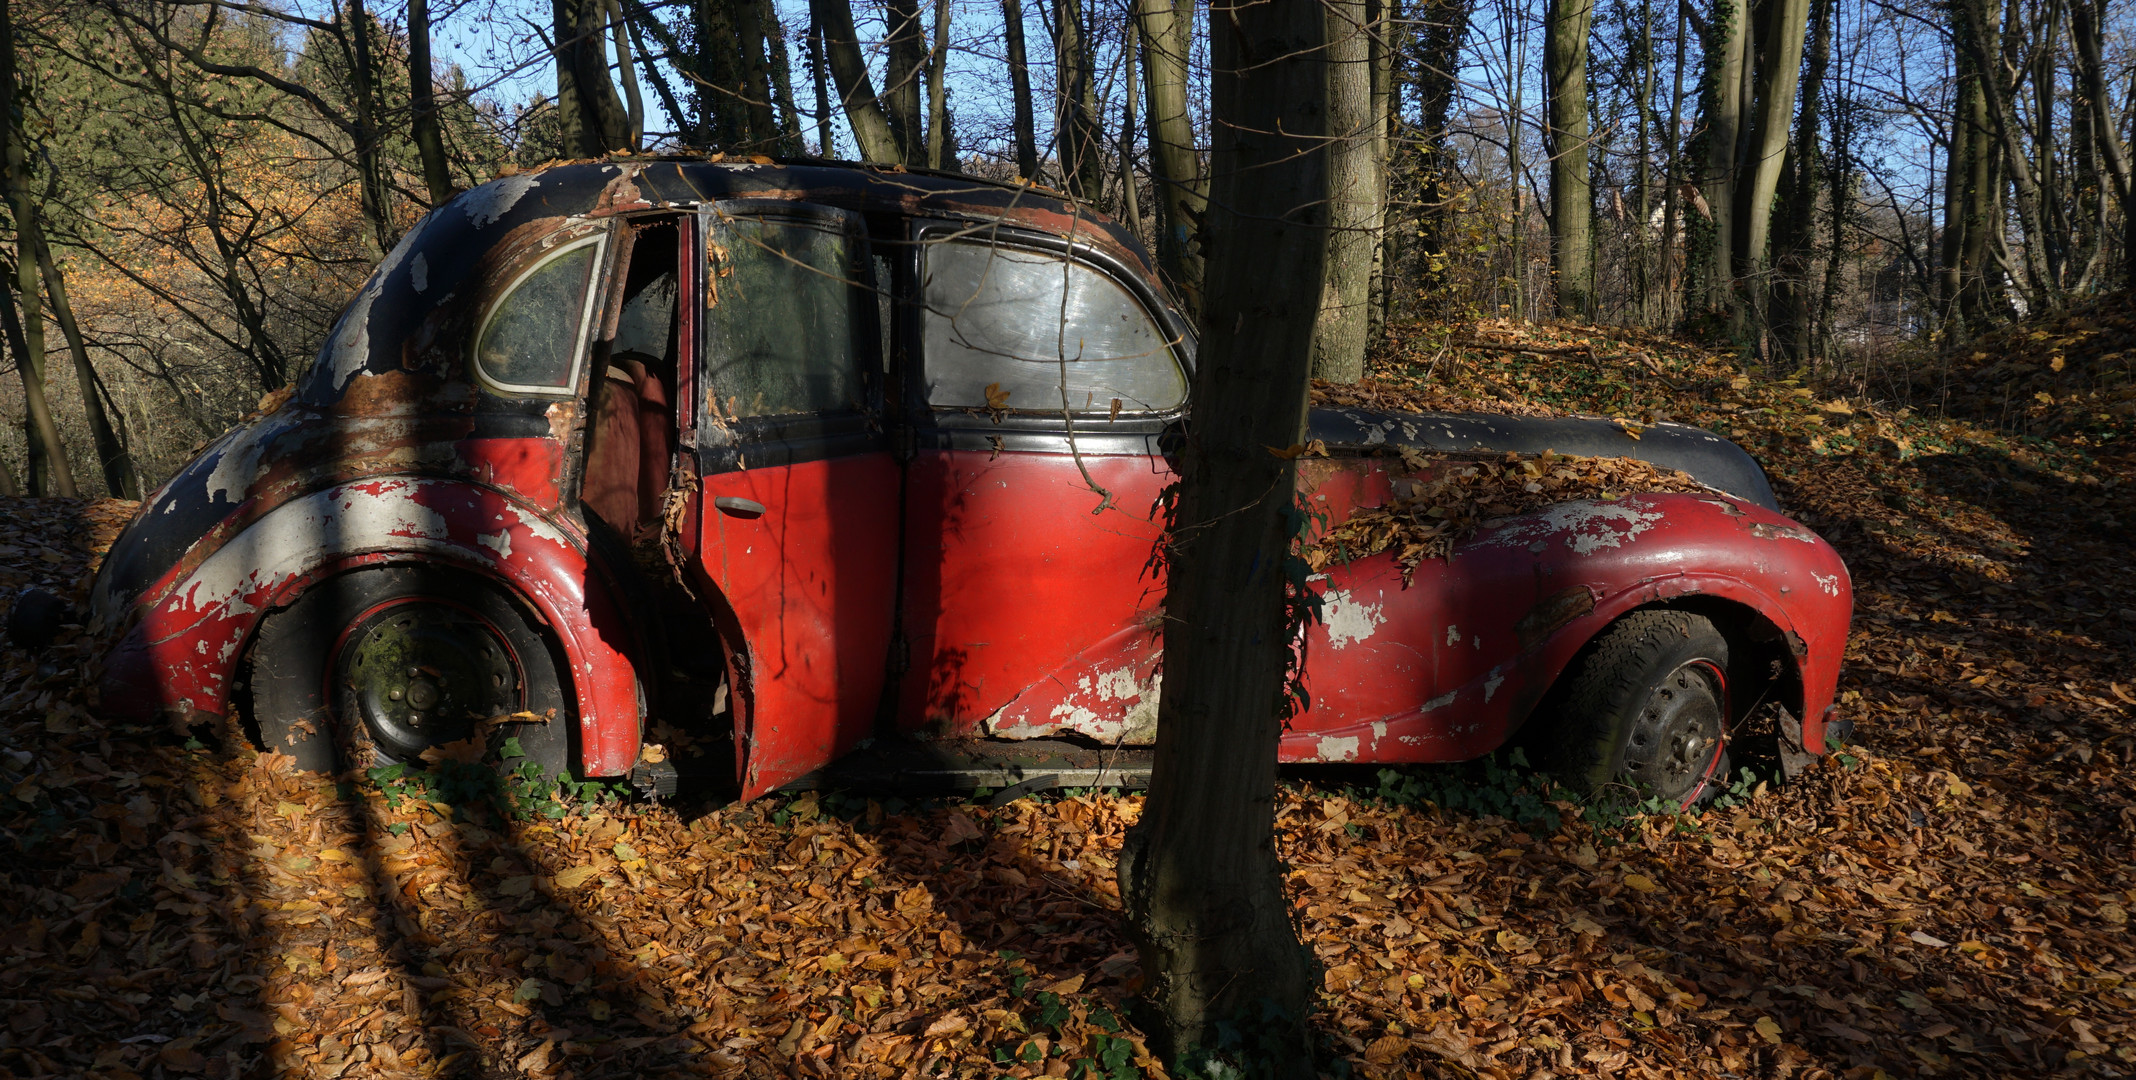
x=562 y=416
x=1553 y=612
x=1796 y=645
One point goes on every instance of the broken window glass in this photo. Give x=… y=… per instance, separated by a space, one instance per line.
x=785 y=317
x=1048 y=332
x=531 y=341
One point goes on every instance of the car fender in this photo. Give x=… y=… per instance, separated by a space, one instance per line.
x=179 y=657
x=1448 y=666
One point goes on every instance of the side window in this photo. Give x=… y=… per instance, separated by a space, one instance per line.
x=789 y=319
x=530 y=342
x=1039 y=328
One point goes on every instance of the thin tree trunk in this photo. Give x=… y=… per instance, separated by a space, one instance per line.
x=47 y=453
x=1572 y=199
x=782 y=78
x=2086 y=26
x=1645 y=177
x=1174 y=168
x=594 y=120
x=377 y=198
x=1791 y=244
x=1381 y=18
x=1076 y=126
x=1026 y=122
x=1130 y=202
x=120 y=479
x=901 y=78
x=1779 y=72
x=423 y=106
x=1725 y=51
x=938 y=140
x=1981 y=31
x=1353 y=193
x=872 y=131
x=1672 y=246
x=1444 y=28
x=627 y=73
x=1199 y=875
x=823 y=95
x=756 y=76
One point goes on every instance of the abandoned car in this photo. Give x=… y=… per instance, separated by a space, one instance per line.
x=666 y=450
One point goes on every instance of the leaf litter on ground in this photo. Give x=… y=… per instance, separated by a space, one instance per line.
x=1949 y=896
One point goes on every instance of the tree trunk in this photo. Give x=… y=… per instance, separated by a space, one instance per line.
x=1725 y=52
x=1026 y=123
x=756 y=76
x=938 y=140
x=1130 y=200
x=1354 y=196
x=1176 y=171
x=423 y=106
x=1076 y=125
x=2087 y=28
x=872 y=132
x=1779 y=72
x=1980 y=30
x=627 y=73
x=1791 y=243
x=594 y=120
x=782 y=78
x=1672 y=245
x=823 y=95
x=907 y=48
x=377 y=198
x=1572 y=199
x=1443 y=29
x=120 y=479
x=1202 y=885
x=1645 y=172
x=49 y=469
x=1382 y=19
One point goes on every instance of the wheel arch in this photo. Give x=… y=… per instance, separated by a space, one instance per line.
x=180 y=657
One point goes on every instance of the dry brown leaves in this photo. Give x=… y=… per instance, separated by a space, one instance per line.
x=1951 y=898
x=1393 y=393
x=1441 y=501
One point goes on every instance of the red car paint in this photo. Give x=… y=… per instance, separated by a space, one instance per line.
x=947 y=575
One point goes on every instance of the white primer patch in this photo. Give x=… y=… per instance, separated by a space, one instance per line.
x=493 y=200
x=1587 y=526
x=1490 y=686
x=351 y=349
x=1349 y=621
x=1453 y=635
x=419 y=272
x=1442 y=701
x=1829 y=584
x=239 y=464
x=501 y=543
x=1334 y=749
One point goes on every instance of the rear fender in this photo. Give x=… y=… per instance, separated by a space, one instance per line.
x=179 y=657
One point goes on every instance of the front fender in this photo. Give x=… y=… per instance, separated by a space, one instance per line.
x=1447 y=667
x=178 y=657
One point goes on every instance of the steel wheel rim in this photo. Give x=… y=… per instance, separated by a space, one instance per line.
x=421 y=673
x=1679 y=733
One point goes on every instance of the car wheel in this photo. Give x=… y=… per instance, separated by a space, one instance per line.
x=1648 y=708
x=377 y=666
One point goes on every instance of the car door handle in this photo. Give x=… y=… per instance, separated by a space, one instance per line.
x=736 y=506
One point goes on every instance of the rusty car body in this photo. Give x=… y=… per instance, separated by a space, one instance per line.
x=789 y=437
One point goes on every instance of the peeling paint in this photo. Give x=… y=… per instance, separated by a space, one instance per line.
x=493 y=200
x=1334 y=749
x=501 y=543
x=1830 y=584
x=351 y=348
x=1587 y=526
x=419 y=273
x=1442 y=701
x=292 y=540
x=1349 y=621
x=1453 y=635
x=1490 y=685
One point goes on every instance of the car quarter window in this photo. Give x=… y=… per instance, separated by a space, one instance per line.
x=1045 y=330
x=789 y=316
x=531 y=341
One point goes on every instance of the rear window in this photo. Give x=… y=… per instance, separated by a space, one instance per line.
x=533 y=337
x=1048 y=332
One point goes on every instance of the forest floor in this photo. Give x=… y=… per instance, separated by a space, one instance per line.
x=1947 y=896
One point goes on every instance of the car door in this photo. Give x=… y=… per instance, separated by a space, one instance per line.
x=1045 y=385
x=799 y=492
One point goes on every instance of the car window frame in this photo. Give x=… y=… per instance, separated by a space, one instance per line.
x=726 y=443
x=1179 y=337
x=590 y=304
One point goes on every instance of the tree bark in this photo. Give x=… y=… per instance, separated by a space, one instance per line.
x=901 y=78
x=756 y=76
x=1779 y=73
x=1026 y=122
x=782 y=78
x=377 y=198
x=47 y=452
x=627 y=73
x=1443 y=31
x=1572 y=199
x=2086 y=27
x=1354 y=195
x=1385 y=20
x=1725 y=51
x=1162 y=26
x=1077 y=126
x=1791 y=243
x=823 y=95
x=423 y=106
x=1672 y=246
x=872 y=132
x=1130 y=200
x=120 y=479
x=1202 y=884
x=594 y=121
x=938 y=139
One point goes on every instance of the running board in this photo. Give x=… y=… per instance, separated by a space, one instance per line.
x=1020 y=766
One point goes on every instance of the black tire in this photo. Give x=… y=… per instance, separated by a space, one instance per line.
x=324 y=692
x=1647 y=708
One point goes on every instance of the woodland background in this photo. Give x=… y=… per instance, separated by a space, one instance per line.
x=1857 y=189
